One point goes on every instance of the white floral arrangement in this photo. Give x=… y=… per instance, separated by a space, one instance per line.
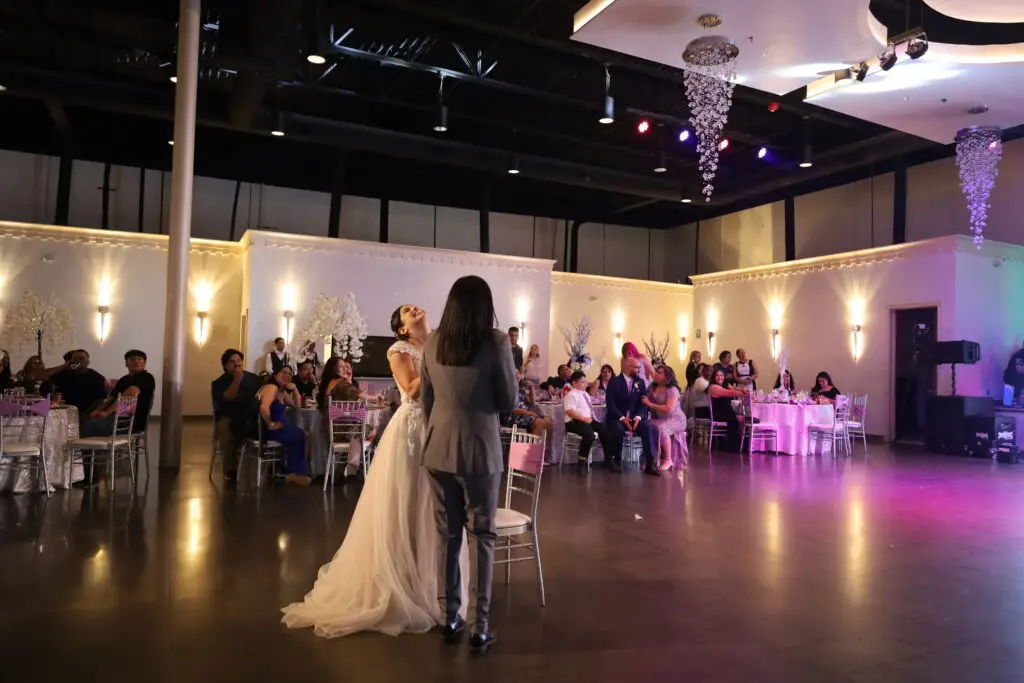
x=576 y=337
x=337 y=319
x=657 y=352
x=37 y=320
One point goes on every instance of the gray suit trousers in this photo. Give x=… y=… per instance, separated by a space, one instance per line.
x=470 y=502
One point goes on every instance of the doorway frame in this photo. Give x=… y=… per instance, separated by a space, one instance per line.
x=890 y=390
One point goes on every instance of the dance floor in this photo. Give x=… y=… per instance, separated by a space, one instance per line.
x=902 y=567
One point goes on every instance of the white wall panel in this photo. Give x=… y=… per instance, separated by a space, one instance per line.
x=458 y=229
x=411 y=224
x=360 y=218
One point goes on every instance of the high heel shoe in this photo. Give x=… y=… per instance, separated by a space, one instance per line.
x=666 y=464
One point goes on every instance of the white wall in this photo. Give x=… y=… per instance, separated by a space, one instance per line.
x=290 y=271
x=818 y=301
x=80 y=264
x=634 y=308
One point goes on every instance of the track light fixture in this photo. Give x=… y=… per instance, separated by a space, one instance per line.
x=660 y=167
x=609 y=102
x=805 y=160
x=860 y=72
x=278 y=130
x=917 y=46
x=513 y=166
x=441 y=123
x=887 y=59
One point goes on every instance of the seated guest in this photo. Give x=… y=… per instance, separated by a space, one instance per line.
x=693 y=368
x=525 y=414
x=785 y=382
x=725 y=365
x=278 y=358
x=80 y=385
x=721 y=398
x=517 y=350
x=625 y=412
x=532 y=366
x=823 y=389
x=139 y=383
x=274 y=396
x=306 y=383
x=6 y=380
x=34 y=378
x=579 y=420
x=561 y=379
x=331 y=376
x=599 y=387
x=699 y=406
x=234 y=401
x=744 y=371
x=667 y=417
x=343 y=390
x=345 y=372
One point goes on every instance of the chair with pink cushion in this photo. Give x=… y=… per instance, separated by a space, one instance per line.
x=348 y=426
x=22 y=425
x=525 y=468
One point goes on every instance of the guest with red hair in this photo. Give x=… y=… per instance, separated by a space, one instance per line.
x=629 y=350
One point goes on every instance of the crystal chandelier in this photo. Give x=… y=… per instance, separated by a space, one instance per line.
x=709 y=77
x=978 y=151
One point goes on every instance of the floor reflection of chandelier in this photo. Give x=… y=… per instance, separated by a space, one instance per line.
x=978 y=151
x=709 y=77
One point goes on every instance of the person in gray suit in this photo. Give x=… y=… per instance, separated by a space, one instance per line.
x=468 y=377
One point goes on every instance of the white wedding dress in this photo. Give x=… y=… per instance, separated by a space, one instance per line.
x=384 y=576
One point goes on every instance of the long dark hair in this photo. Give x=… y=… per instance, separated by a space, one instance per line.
x=600 y=373
x=468 y=320
x=670 y=377
x=330 y=372
x=396 y=323
x=827 y=377
x=5 y=364
x=792 y=382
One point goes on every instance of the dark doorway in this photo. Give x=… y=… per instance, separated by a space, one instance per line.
x=914 y=375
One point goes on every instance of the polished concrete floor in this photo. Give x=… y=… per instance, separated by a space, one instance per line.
x=900 y=567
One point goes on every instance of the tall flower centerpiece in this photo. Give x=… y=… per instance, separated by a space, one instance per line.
x=657 y=351
x=38 y=320
x=336 y=319
x=710 y=78
x=978 y=151
x=576 y=337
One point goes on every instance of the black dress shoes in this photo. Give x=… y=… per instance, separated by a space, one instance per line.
x=452 y=631
x=651 y=469
x=480 y=643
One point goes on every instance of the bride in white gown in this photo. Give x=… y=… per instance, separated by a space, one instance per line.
x=384 y=576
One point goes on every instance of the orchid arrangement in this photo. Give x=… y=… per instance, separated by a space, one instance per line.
x=657 y=351
x=576 y=337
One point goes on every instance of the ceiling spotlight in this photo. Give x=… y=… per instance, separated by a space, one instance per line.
x=684 y=135
x=513 y=167
x=723 y=144
x=171 y=143
x=806 y=164
x=442 y=119
x=805 y=160
x=660 y=167
x=609 y=110
x=762 y=153
x=174 y=79
x=316 y=58
x=686 y=201
x=278 y=129
x=277 y=133
x=861 y=72
x=643 y=126
x=887 y=59
x=917 y=46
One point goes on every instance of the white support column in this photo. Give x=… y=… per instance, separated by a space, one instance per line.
x=179 y=230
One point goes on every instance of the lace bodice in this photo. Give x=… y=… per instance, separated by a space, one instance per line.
x=417 y=357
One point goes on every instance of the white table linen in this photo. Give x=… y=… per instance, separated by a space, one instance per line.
x=793 y=422
x=61 y=427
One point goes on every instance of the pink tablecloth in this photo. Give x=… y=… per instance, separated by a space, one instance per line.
x=793 y=421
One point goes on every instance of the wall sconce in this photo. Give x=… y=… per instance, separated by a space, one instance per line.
x=522 y=333
x=682 y=348
x=288 y=317
x=711 y=343
x=856 y=342
x=775 y=343
x=104 y=312
x=201 y=324
x=618 y=345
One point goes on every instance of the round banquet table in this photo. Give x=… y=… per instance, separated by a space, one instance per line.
x=61 y=426
x=793 y=422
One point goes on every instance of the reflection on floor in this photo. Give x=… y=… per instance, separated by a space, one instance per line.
x=898 y=567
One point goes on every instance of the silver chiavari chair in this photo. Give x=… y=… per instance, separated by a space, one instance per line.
x=349 y=429
x=517 y=530
x=836 y=432
x=22 y=425
x=118 y=445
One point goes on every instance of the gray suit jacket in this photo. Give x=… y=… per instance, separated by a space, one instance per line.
x=462 y=406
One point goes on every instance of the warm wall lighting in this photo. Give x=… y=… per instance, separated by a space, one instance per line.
x=201 y=327
x=104 y=312
x=522 y=333
x=288 y=316
x=711 y=343
x=775 y=343
x=682 y=348
x=856 y=342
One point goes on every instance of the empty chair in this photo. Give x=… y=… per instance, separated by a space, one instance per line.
x=708 y=429
x=118 y=445
x=835 y=432
x=22 y=424
x=348 y=428
x=518 y=530
x=766 y=431
x=855 y=426
x=261 y=452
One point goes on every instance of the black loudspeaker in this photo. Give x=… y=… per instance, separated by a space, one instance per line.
x=956 y=353
x=1006 y=440
x=953 y=423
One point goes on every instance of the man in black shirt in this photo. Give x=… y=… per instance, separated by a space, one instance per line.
x=306 y=383
x=80 y=385
x=517 y=350
x=139 y=383
x=561 y=379
x=234 y=402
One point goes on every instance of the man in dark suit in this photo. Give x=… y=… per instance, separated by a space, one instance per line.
x=626 y=412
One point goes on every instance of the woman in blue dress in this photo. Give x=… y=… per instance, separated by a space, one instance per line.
x=274 y=397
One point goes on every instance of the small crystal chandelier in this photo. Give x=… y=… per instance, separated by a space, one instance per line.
x=709 y=77
x=978 y=151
